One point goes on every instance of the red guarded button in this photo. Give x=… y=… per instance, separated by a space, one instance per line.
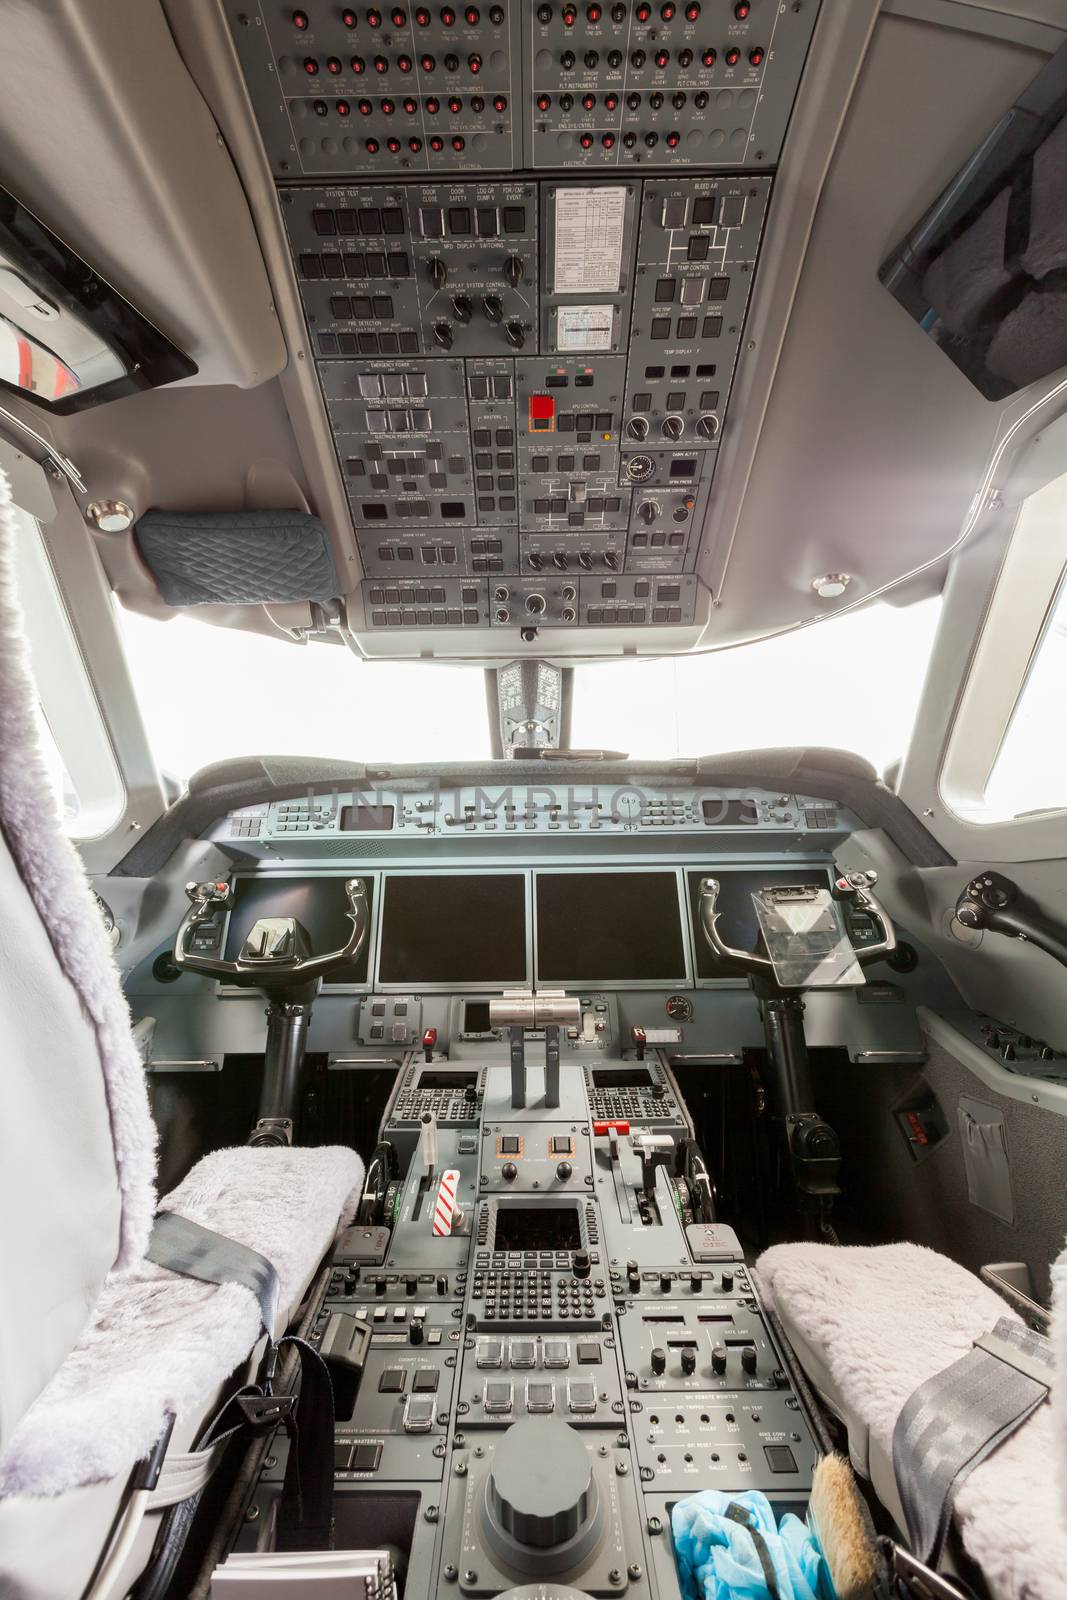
x=542 y=413
x=602 y=1129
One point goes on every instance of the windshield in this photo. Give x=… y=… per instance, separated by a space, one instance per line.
x=208 y=694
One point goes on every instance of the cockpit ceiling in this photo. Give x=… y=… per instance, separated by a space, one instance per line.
x=605 y=394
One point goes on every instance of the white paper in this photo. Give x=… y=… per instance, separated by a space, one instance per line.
x=589 y=234
x=584 y=327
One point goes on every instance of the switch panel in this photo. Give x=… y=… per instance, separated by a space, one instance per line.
x=568 y=418
x=386 y=88
x=433 y=269
x=698 y=247
x=717 y=1344
x=678 y=84
x=525 y=238
x=721 y=1440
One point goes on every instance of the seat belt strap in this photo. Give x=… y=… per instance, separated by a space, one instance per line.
x=957 y=1418
x=305 y=1511
x=197 y=1252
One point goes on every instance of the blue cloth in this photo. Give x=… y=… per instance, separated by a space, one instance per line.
x=720 y=1559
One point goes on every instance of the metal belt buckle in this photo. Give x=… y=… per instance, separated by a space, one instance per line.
x=263 y=1412
x=918 y=1579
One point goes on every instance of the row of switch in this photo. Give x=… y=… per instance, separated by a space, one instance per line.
x=547 y=420
x=422 y=17
x=661 y=59
x=670 y=1282
x=692 y=291
x=354 y=264
x=539 y=1398
x=662 y=328
x=635 y=101
x=585 y=561
x=368 y=344
x=411 y=105
x=427 y=63
x=687 y=1360
x=522 y=1354
x=615 y=616
x=673 y=427
x=595 y=13
x=675 y=400
x=450 y=618
x=461 y=222
x=406 y=510
x=390 y=596
x=595 y=505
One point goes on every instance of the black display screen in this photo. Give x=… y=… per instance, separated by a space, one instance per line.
x=537 y=1228
x=453 y=928
x=476 y=1017
x=737 y=920
x=730 y=813
x=622 y=1078
x=319 y=904
x=448 y=1080
x=610 y=927
x=366 y=819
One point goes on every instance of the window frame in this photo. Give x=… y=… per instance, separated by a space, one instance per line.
x=1028 y=587
x=83 y=683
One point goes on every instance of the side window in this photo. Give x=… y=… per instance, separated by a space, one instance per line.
x=78 y=755
x=1030 y=770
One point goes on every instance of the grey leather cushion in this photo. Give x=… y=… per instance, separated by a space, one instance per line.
x=59 y=1195
x=238 y=557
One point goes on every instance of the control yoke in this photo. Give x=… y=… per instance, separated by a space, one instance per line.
x=276 y=958
x=814 y=1148
x=276 y=955
x=856 y=886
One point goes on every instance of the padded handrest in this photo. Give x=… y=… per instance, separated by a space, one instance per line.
x=159 y=1342
x=870 y=1325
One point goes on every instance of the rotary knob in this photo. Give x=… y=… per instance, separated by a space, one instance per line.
x=541 y=1493
x=637 y=427
x=535 y=604
x=437 y=272
x=515 y=334
x=493 y=307
x=658 y=1361
x=442 y=335
x=462 y=308
x=509 y=1172
x=513 y=271
x=611 y=560
x=673 y=427
x=708 y=426
x=648 y=511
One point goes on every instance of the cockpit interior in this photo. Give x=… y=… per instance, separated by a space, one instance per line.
x=533 y=800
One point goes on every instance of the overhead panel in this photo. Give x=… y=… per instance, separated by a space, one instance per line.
x=525 y=239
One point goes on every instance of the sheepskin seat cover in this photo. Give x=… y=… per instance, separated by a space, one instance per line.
x=885 y=1319
x=158 y=1342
